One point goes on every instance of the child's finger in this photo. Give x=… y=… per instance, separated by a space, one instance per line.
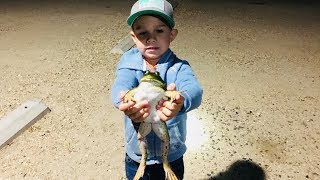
x=140 y=116
x=122 y=94
x=162 y=116
x=167 y=112
x=169 y=105
x=171 y=87
x=137 y=107
x=160 y=103
x=139 y=111
x=179 y=99
x=125 y=106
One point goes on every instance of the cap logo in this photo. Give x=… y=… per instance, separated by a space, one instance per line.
x=159 y=4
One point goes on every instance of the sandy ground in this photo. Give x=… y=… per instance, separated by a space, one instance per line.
x=257 y=62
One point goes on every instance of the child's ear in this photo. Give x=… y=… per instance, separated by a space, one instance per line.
x=173 y=35
x=133 y=36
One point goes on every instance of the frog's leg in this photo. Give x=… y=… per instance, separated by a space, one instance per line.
x=144 y=130
x=161 y=129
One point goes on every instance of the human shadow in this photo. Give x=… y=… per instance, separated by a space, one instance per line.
x=241 y=170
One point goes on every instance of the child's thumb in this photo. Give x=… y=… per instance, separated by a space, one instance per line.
x=171 y=87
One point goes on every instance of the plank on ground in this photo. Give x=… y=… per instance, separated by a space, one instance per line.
x=20 y=119
x=124 y=45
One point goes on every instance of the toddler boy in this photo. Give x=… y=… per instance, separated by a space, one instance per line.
x=152 y=30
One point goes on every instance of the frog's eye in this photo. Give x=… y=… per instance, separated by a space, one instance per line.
x=157 y=73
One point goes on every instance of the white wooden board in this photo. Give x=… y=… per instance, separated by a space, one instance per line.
x=124 y=45
x=20 y=119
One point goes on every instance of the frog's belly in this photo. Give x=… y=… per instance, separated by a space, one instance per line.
x=153 y=95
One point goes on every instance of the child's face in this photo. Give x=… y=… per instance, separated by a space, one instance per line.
x=152 y=37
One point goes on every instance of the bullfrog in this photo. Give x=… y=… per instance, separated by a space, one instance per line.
x=152 y=88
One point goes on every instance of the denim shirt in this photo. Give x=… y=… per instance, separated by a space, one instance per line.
x=130 y=69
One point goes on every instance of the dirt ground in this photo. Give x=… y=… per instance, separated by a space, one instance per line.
x=258 y=62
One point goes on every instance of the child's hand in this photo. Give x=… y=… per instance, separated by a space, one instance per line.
x=137 y=112
x=167 y=110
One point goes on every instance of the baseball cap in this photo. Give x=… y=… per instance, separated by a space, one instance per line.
x=160 y=8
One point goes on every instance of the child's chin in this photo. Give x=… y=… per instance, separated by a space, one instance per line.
x=152 y=55
x=152 y=51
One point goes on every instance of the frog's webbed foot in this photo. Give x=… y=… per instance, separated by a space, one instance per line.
x=171 y=95
x=168 y=172
x=139 y=173
x=129 y=96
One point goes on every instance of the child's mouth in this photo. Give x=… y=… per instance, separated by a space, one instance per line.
x=152 y=48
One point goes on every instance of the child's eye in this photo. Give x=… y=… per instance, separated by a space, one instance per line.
x=159 y=30
x=142 y=33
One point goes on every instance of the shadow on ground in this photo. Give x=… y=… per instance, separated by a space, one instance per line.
x=241 y=170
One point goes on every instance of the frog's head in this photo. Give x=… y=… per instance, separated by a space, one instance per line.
x=154 y=78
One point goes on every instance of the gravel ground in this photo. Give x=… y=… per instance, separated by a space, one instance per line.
x=258 y=62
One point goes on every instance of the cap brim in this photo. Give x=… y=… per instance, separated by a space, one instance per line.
x=134 y=16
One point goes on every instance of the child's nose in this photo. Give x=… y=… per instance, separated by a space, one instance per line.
x=151 y=38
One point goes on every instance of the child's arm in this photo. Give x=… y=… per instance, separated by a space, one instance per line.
x=192 y=90
x=188 y=100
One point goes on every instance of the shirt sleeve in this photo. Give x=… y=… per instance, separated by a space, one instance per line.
x=124 y=81
x=192 y=91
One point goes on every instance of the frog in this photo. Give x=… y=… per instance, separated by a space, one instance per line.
x=152 y=88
